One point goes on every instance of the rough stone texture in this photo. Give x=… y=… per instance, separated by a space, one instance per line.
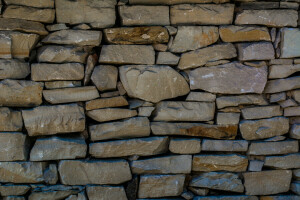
x=62 y=84
x=271 y=148
x=280 y=85
x=168 y=83
x=172 y=2
x=228 y=197
x=283 y=162
x=248 y=99
x=105 y=77
x=6 y=43
x=296 y=95
x=201 y=96
x=110 y=114
x=22 y=25
x=255 y=51
x=10 y=120
x=261 y=112
x=167 y=58
x=295 y=131
x=290 y=43
x=106 y=103
x=282 y=71
x=292 y=111
x=224 y=145
x=33 y=3
x=232 y=78
x=10 y=189
x=185 y=145
x=13 y=146
x=270 y=182
x=106 y=192
x=228 y=118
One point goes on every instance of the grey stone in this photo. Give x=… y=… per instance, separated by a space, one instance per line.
x=106 y=192
x=56 y=27
x=277 y=97
x=296 y=95
x=51 y=174
x=287 y=103
x=248 y=99
x=227 y=197
x=22 y=25
x=224 y=145
x=255 y=165
x=172 y=2
x=283 y=162
x=295 y=131
x=295 y=187
x=167 y=58
x=292 y=111
x=13 y=146
x=199 y=191
x=280 y=85
x=200 y=96
x=261 y=112
x=282 y=71
x=290 y=42
x=91 y=61
x=145 y=111
x=105 y=77
x=272 y=148
x=10 y=120
x=10 y=189
x=13 y=69
x=110 y=114
x=228 y=118
x=185 y=145
x=255 y=51
x=282 y=61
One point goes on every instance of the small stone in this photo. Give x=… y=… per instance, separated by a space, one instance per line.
x=62 y=84
x=160 y=47
x=277 y=97
x=7 y=24
x=248 y=99
x=281 y=62
x=106 y=192
x=105 y=77
x=270 y=182
x=228 y=118
x=295 y=131
x=9 y=189
x=13 y=69
x=10 y=120
x=167 y=58
x=296 y=174
x=283 y=162
x=32 y=3
x=290 y=42
x=106 y=103
x=224 y=145
x=187 y=195
x=295 y=187
x=255 y=165
x=141 y=147
x=152 y=186
x=200 y=96
x=94 y=172
x=280 y=85
x=296 y=95
x=90 y=65
x=145 y=111
x=255 y=51
x=81 y=27
x=51 y=174
x=261 y=112
x=110 y=114
x=199 y=191
x=13 y=146
x=282 y=71
x=271 y=148
x=110 y=94
x=185 y=145
x=292 y=111
x=56 y=27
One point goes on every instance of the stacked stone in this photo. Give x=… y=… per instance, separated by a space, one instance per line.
x=149 y=99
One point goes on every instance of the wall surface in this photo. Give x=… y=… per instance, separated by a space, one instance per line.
x=149 y=99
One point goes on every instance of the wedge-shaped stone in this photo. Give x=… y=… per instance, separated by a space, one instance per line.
x=61 y=54
x=185 y=145
x=283 y=162
x=10 y=189
x=68 y=95
x=110 y=114
x=105 y=77
x=162 y=82
x=261 y=112
x=58 y=148
x=280 y=85
x=32 y=3
x=13 y=69
x=55 y=72
x=181 y=164
x=152 y=186
x=226 y=162
x=81 y=172
x=224 y=145
x=29 y=13
x=218 y=181
x=141 y=147
x=22 y=172
x=201 y=14
x=227 y=197
x=129 y=128
x=290 y=42
x=106 y=103
x=50 y=120
x=233 y=33
x=184 y=111
x=194 y=129
x=172 y=2
x=247 y=99
x=264 y=128
x=74 y=37
x=144 y=15
x=267 y=182
x=282 y=71
x=273 y=18
x=206 y=55
x=20 y=93
x=13 y=146
x=194 y=37
x=255 y=51
x=10 y=120
x=137 y=35
x=105 y=192
x=22 y=25
x=99 y=14
x=272 y=148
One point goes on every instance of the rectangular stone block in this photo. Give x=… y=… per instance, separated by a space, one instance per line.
x=110 y=114
x=282 y=71
x=273 y=148
x=261 y=112
x=106 y=192
x=247 y=99
x=10 y=120
x=13 y=69
x=7 y=24
x=289 y=161
x=255 y=51
x=185 y=145
x=290 y=43
x=13 y=146
x=280 y=85
x=224 y=145
x=106 y=103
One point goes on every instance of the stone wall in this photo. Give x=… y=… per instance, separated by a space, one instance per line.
x=149 y=99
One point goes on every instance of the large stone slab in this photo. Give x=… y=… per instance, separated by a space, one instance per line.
x=184 y=111
x=247 y=99
x=261 y=112
x=270 y=182
x=127 y=54
x=22 y=25
x=13 y=146
x=105 y=77
x=49 y=120
x=273 y=148
x=273 y=18
x=228 y=162
x=194 y=129
x=94 y=172
x=227 y=197
x=181 y=164
x=162 y=82
x=10 y=120
x=282 y=71
x=283 y=162
x=152 y=186
x=99 y=14
x=201 y=14
x=172 y=2
x=224 y=145
x=206 y=55
x=193 y=37
x=32 y=3
x=231 y=78
x=129 y=128
x=20 y=93
x=256 y=51
x=290 y=43
x=144 y=15
x=13 y=69
x=264 y=128
x=110 y=114
x=106 y=192
x=141 y=147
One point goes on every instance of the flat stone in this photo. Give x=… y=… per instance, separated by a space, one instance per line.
x=152 y=186
x=200 y=96
x=13 y=69
x=10 y=189
x=185 y=145
x=106 y=192
x=13 y=146
x=270 y=182
x=194 y=37
x=273 y=18
x=184 y=111
x=218 y=181
x=292 y=111
x=127 y=54
x=62 y=84
x=283 y=162
x=231 y=78
x=110 y=114
x=10 y=120
x=224 y=145
x=201 y=57
x=282 y=61
x=247 y=99
x=106 y=103
x=99 y=14
x=228 y=118
x=55 y=72
x=68 y=95
x=20 y=93
x=14 y=198
x=277 y=97
x=144 y=15
x=261 y=112
x=172 y=2
x=167 y=58
x=61 y=54
x=105 y=77
x=255 y=51
x=282 y=71
x=199 y=191
x=234 y=33
x=280 y=85
x=168 y=82
x=288 y=103
x=6 y=43
x=228 y=162
x=56 y=27
x=227 y=197
x=110 y=94
x=201 y=14
x=255 y=165
x=296 y=95
x=271 y=148
x=280 y=197
x=32 y=3
x=47 y=120
x=94 y=172
x=137 y=35
x=290 y=43
x=194 y=129
x=295 y=131
x=145 y=111
x=7 y=24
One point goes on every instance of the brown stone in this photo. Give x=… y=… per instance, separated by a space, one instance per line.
x=261 y=112
x=110 y=114
x=32 y=3
x=62 y=84
x=224 y=145
x=255 y=51
x=105 y=77
x=10 y=189
x=106 y=192
x=13 y=146
x=13 y=69
x=22 y=25
x=201 y=96
x=282 y=71
x=172 y=2
x=90 y=65
x=292 y=111
x=280 y=85
x=106 y=103
x=185 y=145
x=10 y=120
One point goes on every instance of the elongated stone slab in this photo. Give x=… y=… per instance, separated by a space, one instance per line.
x=172 y=2
x=280 y=197
x=7 y=24
x=105 y=192
x=272 y=148
x=32 y=3
x=283 y=162
x=10 y=189
x=49 y=120
x=256 y=51
x=13 y=69
x=282 y=71
x=142 y=147
x=227 y=197
x=247 y=99
x=224 y=145
x=94 y=172
x=62 y=84
x=106 y=103
x=185 y=145
x=261 y=112
x=290 y=43
x=13 y=146
x=280 y=85
x=10 y=120
x=110 y=114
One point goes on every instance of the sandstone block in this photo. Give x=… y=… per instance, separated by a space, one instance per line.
x=261 y=112
x=13 y=69
x=106 y=103
x=224 y=145
x=280 y=85
x=201 y=96
x=106 y=192
x=247 y=99
x=32 y=3
x=13 y=146
x=167 y=58
x=283 y=162
x=271 y=148
x=292 y=111
x=7 y=24
x=105 y=77
x=10 y=120
x=62 y=84
x=282 y=71
x=255 y=51
x=110 y=114
x=10 y=189
x=185 y=145
x=228 y=118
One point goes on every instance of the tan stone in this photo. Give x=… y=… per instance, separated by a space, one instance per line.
x=261 y=112
x=167 y=58
x=282 y=71
x=13 y=69
x=296 y=95
x=172 y=2
x=106 y=192
x=272 y=148
x=106 y=103
x=224 y=145
x=56 y=27
x=228 y=118
x=201 y=96
x=105 y=77
x=292 y=111
x=22 y=25
x=10 y=120
x=110 y=114
x=255 y=51
x=32 y=3
x=9 y=189
x=13 y=146
x=185 y=145
x=6 y=43
x=280 y=85
x=62 y=84
x=247 y=99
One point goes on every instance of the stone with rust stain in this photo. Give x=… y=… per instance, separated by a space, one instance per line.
x=10 y=120
x=111 y=102
x=7 y=24
x=13 y=69
x=273 y=148
x=106 y=192
x=105 y=77
x=13 y=146
x=110 y=114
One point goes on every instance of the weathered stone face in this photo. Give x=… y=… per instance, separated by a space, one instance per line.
x=172 y=2
x=280 y=85
x=282 y=71
x=62 y=84
x=9 y=190
x=106 y=192
x=261 y=112
x=201 y=96
x=105 y=77
x=272 y=148
x=290 y=42
x=283 y=162
x=106 y=103
x=255 y=51
x=247 y=99
x=224 y=145
x=13 y=146
x=110 y=114
x=10 y=120
x=7 y=24
x=13 y=69
x=33 y=3
x=185 y=145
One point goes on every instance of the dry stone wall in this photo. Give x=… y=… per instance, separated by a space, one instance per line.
x=149 y=99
